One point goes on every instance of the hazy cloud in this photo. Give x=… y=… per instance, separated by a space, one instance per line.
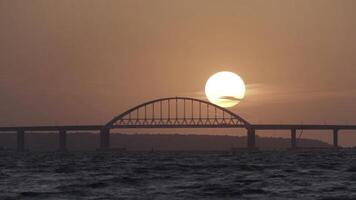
x=264 y=93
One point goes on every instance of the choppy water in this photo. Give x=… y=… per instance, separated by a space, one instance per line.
x=168 y=176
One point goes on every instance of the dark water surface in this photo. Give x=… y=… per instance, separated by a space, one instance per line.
x=250 y=175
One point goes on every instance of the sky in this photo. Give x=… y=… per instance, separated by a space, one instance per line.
x=83 y=62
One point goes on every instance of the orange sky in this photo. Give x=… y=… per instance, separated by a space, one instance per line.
x=82 y=62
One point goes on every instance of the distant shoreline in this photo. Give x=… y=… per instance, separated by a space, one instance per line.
x=154 y=142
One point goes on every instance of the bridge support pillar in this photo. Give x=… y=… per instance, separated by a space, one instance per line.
x=20 y=141
x=335 y=138
x=104 y=139
x=294 y=138
x=62 y=141
x=251 y=138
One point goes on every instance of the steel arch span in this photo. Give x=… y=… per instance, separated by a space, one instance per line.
x=177 y=112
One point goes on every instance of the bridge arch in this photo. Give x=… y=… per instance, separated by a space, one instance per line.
x=174 y=112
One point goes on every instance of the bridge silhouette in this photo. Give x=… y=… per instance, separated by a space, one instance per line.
x=174 y=112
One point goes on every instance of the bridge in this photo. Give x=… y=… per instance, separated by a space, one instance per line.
x=174 y=112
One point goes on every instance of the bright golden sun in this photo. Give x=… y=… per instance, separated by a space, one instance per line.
x=225 y=89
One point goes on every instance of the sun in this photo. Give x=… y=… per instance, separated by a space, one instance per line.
x=225 y=89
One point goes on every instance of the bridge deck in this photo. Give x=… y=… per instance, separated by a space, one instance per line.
x=254 y=126
x=302 y=127
x=52 y=128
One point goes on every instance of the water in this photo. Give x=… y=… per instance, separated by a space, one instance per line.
x=169 y=176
